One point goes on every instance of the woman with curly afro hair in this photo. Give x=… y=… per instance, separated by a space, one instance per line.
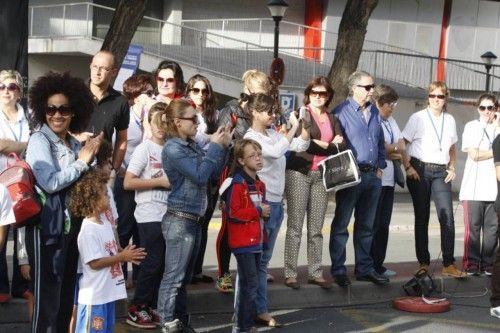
x=61 y=105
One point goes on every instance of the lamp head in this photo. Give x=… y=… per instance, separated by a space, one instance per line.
x=277 y=8
x=488 y=58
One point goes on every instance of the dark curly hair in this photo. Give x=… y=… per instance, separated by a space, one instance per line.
x=78 y=95
x=86 y=193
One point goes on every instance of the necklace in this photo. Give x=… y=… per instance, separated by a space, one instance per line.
x=439 y=137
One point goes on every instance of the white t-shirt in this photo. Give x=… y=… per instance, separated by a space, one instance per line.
x=6 y=211
x=479 y=181
x=135 y=133
x=110 y=215
x=424 y=133
x=274 y=147
x=103 y=285
x=146 y=164
x=17 y=130
x=392 y=134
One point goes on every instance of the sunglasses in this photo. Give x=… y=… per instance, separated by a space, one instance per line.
x=9 y=87
x=196 y=91
x=438 y=96
x=367 y=87
x=64 y=110
x=489 y=107
x=320 y=94
x=167 y=79
x=194 y=119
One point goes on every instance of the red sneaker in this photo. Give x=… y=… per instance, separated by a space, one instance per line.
x=4 y=298
x=138 y=316
x=155 y=316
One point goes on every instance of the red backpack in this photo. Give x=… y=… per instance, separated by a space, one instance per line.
x=19 y=180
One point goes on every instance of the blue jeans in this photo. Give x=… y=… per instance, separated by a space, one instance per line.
x=182 y=241
x=149 y=277
x=248 y=282
x=432 y=184
x=381 y=228
x=363 y=200
x=272 y=226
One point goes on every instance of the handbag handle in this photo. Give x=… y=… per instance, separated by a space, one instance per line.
x=12 y=158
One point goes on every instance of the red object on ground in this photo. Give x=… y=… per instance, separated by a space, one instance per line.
x=417 y=304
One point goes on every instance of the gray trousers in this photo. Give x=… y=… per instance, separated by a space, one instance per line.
x=304 y=193
x=479 y=218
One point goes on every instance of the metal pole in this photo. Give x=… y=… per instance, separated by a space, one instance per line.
x=277 y=20
x=64 y=20
x=488 y=67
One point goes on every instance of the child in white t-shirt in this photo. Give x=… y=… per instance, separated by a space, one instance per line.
x=145 y=175
x=102 y=281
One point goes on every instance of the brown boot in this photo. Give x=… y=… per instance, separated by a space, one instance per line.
x=452 y=271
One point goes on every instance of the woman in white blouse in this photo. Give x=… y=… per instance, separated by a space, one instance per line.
x=14 y=134
x=431 y=135
x=479 y=189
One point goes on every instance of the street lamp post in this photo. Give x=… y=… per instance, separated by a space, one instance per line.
x=277 y=9
x=488 y=59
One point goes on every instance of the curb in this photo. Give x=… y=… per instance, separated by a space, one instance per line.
x=209 y=300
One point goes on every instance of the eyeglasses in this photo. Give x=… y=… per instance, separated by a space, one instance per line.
x=489 y=107
x=367 y=87
x=254 y=156
x=393 y=104
x=167 y=79
x=149 y=93
x=194 y=119
x=9 y=87
x=99 y=68
x=64 y=110
x=196 y=91
x=437 y=96
x=320 y=94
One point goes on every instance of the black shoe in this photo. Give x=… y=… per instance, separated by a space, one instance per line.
x=373 y=277
x=342 y=280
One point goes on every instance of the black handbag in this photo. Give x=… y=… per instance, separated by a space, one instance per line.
x=340 y=171
x=399 y=177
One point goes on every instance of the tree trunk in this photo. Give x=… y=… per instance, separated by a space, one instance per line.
x=352 y=31
x=126 y=19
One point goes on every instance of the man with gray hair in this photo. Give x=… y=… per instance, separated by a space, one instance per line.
x=360 y=123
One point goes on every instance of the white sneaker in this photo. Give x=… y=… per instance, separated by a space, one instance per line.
x=389 y=273
x=495 y=312
x=171 y=326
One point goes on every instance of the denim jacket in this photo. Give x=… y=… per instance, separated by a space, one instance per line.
x=55 y=166
x=189 y=168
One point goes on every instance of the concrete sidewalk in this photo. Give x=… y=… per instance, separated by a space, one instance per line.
x=204 y=298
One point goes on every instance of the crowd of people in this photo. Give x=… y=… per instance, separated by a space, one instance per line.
x=136 y=177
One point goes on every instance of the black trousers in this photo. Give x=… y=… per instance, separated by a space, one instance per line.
x=381 y=228
x=212 y=197
x=432 y=184
x=53 y=296
x=495 y=278
x=152 y=267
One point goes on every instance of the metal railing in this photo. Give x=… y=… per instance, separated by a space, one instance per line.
x=260 y=31
x=230 y=57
